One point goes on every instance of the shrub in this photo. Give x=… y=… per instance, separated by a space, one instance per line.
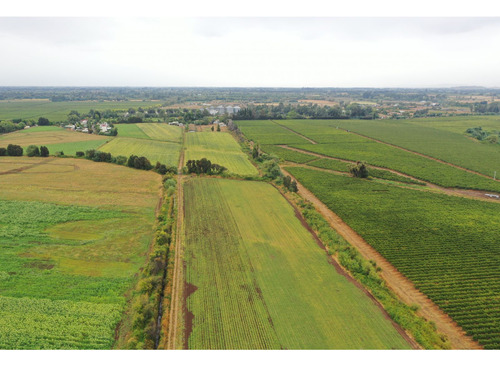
x=42 y=121
x=121 y=160
x=89 y=154
x=44 y=151
x=59 y=154
x=80 y=154
x=359 y=170
x=3 y=151
x=33 y=151
x=14 y=150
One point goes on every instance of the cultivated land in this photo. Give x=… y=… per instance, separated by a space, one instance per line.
x=155 y=150
x=220 y=148
x=58 y=111
x=154 y=131
x=449 y=253
x=258 y=280
x=337 y=143
x=73 y=234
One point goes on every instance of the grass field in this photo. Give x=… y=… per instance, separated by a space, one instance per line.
x=261 y=282
x=154 y=150
x=448 y=246
x=58 y=111
x=154 y=131
x=267 y=132
x=450 y=146
x=46 y=135
x=72 y=235
x=220 y=148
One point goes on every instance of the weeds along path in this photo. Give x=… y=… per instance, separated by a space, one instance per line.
x=402 y=286
x=176 y=309
x=296 y=133
x=470 y=194
x=417 y=153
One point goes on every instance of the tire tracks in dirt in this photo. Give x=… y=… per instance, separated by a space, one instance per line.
x=396 y=281
x=24 y=168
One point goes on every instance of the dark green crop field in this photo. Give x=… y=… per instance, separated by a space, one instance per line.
x=448 y=246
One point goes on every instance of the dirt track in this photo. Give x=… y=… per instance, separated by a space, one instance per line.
x=178 y=278
x=402 y=286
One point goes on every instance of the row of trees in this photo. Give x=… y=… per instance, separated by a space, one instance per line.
x=204 y=166
x=14 y=150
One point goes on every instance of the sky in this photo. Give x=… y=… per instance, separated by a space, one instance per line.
x=250 y=52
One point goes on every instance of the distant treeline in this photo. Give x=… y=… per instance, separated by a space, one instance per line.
x=314 y=111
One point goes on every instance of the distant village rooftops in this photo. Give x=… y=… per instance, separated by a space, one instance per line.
x=221 y=110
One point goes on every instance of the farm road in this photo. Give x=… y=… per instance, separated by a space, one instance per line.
x=402 y=286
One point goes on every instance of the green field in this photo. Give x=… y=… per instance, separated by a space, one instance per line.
x=72 y=236
x=261 y=282
x=58 y=111
x=452 y=147
x=220 y=148
x=154 y=150
x=447 y=246
x=267 y=132
x=154 y=131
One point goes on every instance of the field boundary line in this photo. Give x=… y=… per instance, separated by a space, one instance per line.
x=296 y=133
x=177 y=281
x=396 y=281
x=417 y=153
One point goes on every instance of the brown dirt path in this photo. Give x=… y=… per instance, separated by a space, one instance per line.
x=178 y=278
x=417 y=153
x=396 y=281
x=24 y=168
x=296 y=133
x=471 y=194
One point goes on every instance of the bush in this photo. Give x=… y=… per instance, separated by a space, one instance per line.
x=359 y=170
x=131 y=161
x=102 y=157
x=59 y=154
x=44 y=151
x=42 y=121
x=121 y=160
x=3 y=152
x=89 y=154
x=160 y=168
x=80 y=154
x=14 y=150
x=33 y=151
x=142 y=163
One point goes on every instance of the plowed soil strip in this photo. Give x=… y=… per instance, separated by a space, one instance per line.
x=417 y=153
x=402 y=286
x=296 y=133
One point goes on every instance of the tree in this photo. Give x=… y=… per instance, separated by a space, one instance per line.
x=212 y=128
x=3 y=152
x=218 y=127
x=44 y=151
x=359 y=170
x=80 y=154
x=33 y=151
x=42 y=121
x=293 y=186
x=255 y=151
x=14 y=150
x=287 y=180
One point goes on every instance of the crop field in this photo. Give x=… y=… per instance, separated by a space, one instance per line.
x=162 y=132
x=452 y=147
x=258 y=280
x=58 y=111
x=287 y=154
x=220 y=148
x=48 y=135
x=131 y=131
x=267 y=132
x=448 y=246
x=459 y=124
x=72 y=236
x=154 y=150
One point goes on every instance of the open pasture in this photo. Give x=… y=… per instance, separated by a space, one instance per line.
x=447 y=246
x=259 y=280
x=154 y=150
x=72 y=236
x=220 y=148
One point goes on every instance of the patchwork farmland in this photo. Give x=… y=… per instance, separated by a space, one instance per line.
x=96 y=259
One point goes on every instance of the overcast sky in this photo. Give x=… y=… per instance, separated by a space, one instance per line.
x=250 y=52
